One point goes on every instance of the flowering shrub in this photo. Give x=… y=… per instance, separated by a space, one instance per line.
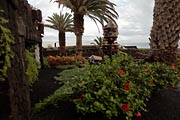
x=116 y=90
x=121 y=88
x=65 y=60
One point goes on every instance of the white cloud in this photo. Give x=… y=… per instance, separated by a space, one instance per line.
x=135 y=21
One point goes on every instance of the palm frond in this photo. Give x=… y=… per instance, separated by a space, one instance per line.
x=98 y=41
x=102 y=10
x=62 y=22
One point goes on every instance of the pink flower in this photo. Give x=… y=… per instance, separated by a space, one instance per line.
x=120 y=72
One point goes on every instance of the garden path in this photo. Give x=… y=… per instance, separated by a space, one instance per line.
x=45 y=85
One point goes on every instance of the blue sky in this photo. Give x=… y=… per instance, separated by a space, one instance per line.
x=135 y=22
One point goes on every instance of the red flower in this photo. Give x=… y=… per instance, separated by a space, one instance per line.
x=121 y=72
x=81 y=97
x=125 y=107
x=127 y=86
x=145 y=69
x=137 y=114
x=173 y=65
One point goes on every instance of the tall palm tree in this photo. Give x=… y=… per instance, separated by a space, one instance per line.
x=165 y=33
x=63 y=23
x=97 y=10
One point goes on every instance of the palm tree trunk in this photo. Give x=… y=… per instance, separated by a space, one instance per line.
x=78 y=30
x=62 y=43
x=165 y=31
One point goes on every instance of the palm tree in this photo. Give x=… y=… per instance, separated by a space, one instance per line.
x=165 y=33
x=63 y=23
x=98 y=42
x=97 y=10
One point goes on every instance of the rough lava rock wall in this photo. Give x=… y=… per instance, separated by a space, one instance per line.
x=25 y=28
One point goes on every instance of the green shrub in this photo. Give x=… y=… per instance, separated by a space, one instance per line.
x=32 y=67
x=113 y=89
x=65 y=67
x=45 y=62
x=121 y=88
x=178 y=63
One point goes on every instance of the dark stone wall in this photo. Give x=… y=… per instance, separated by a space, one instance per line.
x=94 y=50
x=71 y=51
x=26 y=30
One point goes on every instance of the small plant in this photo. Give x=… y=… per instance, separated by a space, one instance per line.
x=6 y=53
x=32 y=67
x=45 y=62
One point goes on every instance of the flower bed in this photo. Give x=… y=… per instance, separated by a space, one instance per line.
x=65 y=60
x=114 y=89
